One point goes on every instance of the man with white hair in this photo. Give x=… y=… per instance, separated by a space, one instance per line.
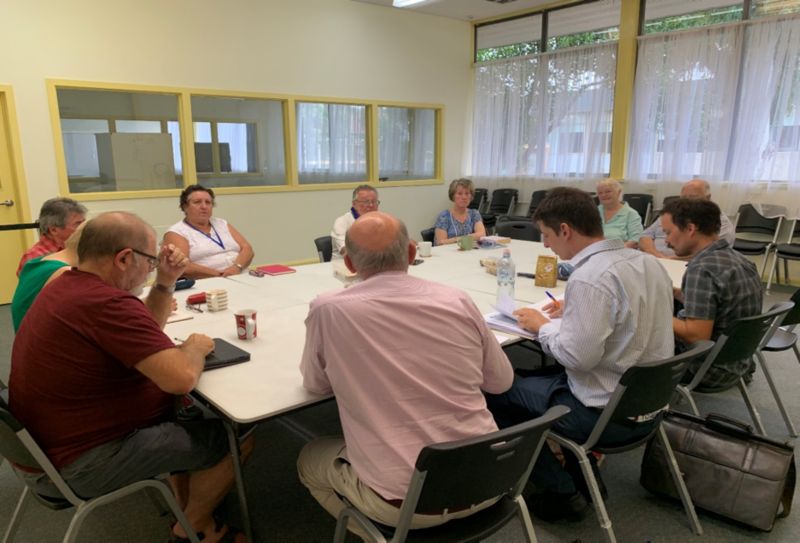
x=365 y=200
x=654 y=239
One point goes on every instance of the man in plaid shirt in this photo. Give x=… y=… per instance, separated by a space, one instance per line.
x=719 y=285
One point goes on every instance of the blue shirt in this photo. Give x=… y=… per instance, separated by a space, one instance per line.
x=445 y=221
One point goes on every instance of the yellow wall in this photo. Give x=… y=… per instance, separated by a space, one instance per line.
x=334 y=48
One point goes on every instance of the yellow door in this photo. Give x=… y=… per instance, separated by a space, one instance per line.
x=12 y=242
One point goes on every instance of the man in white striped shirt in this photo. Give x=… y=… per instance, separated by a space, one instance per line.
x=616 y=311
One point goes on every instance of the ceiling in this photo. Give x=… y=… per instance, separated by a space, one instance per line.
x=468 y=10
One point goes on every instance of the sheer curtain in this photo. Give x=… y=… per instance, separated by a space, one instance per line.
x=331 y=143
x=545 y=117
x=765 y=161
x=407 y=140
x=721 y=104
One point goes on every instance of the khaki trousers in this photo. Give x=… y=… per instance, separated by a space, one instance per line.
x=323 y=469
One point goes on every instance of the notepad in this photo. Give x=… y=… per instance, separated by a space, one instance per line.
x=225 y=354
x=276 y=269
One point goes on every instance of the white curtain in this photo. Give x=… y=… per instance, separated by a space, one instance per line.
x=407 y=139
x=331 y=143
x=688 y=122
x=546 y=116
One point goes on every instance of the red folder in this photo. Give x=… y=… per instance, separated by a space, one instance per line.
x=276 y=269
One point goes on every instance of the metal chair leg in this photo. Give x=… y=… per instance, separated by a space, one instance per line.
x=16 y=518
x=751 y=408
x=525 y=518
x=680 y=484
x=786 y=419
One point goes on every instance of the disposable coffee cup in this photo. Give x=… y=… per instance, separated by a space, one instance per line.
x=246 y=326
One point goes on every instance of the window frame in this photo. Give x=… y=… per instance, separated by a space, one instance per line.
x=186 y=129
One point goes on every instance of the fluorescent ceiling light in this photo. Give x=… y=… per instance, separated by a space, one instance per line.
x=406 y=3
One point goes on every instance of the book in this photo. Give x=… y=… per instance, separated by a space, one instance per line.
x=276 y=269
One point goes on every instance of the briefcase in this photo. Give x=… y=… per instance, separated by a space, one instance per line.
x=728 y=470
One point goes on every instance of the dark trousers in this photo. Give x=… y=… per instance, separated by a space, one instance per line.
x=530 y=397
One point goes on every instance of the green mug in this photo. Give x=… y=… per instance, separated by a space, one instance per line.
x=466 y=243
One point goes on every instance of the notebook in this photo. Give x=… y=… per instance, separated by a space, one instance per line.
x=225 y=354
x=276 y=269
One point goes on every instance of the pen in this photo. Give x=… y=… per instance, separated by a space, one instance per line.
x=179 y=340
x=528 y=275
x=555 y=302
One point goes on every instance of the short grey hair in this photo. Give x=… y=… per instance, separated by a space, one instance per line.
x=363 y=187
x=393 y=257
x=56 y=211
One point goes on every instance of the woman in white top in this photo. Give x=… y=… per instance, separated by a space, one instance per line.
x=215 y=248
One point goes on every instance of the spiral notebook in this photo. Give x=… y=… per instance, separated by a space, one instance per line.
x=225 y=354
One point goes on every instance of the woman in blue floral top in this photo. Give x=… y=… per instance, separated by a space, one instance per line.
x=459 y=220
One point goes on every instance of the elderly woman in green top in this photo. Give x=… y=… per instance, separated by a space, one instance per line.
x=39 y=272
x=620 y=221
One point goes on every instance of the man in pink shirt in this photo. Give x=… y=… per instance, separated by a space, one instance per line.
x=58 y=219
x=407 y=360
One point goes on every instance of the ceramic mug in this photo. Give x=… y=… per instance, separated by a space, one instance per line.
x=246 y=327
x=466 y=243
x=424 y=248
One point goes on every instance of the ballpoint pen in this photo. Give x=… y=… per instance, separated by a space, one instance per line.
x=556 y=303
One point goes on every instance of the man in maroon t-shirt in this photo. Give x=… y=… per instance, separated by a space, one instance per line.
x=94 y=378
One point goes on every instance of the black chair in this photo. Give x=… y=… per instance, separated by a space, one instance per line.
x=750 y=221
x=783 y=338
x=642 y=203
x=324 y=247
x=524 y=230
x=742 y=339
x=503 y=202
x=428 y=234
x=536 y=199
x=479 y=199
x=462 y=473
x=19 y=448
x=644 y=390
x=786 y=251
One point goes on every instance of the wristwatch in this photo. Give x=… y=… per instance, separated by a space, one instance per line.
x=163 y=288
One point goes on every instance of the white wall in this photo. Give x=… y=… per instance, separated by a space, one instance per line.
x=333 y=48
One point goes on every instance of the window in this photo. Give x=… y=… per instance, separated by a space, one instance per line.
x=507 y=39
x=331 y=143
x=118 y=140
x=406 y=143
x=238 y=141
x=671 y=15
x=768 y=8
x=585 y=24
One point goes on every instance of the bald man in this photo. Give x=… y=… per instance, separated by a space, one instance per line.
x=654 y=239
x=95 y=379
x=407 y=360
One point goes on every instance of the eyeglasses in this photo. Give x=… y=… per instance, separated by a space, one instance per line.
x=368 y=202
x=152 y=261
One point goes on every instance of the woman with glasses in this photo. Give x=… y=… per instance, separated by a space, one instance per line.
x=214 y=247
x=459 y=220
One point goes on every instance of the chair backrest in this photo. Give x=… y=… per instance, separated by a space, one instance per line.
x=324 y=247
x=642 y=203
x=458 y=474
x=536 y=199
x=751 y=221
x=524 y=230
x=742 y=339
x=428 y=234
x=646 y=389
x=479 y=198
x=793 y=316
x=503 y=201
x=668 y=199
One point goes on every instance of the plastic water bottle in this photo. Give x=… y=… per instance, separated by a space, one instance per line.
x=506 y=274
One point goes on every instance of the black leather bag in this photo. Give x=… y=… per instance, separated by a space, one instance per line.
x=728 y=469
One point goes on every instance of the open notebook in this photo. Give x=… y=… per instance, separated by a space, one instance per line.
x=225 y=354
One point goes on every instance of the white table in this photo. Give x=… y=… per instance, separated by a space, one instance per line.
x=270 y=384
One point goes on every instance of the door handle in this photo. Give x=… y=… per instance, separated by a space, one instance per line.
x=7 y=203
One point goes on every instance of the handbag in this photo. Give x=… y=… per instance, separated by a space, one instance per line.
x=728 y=470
